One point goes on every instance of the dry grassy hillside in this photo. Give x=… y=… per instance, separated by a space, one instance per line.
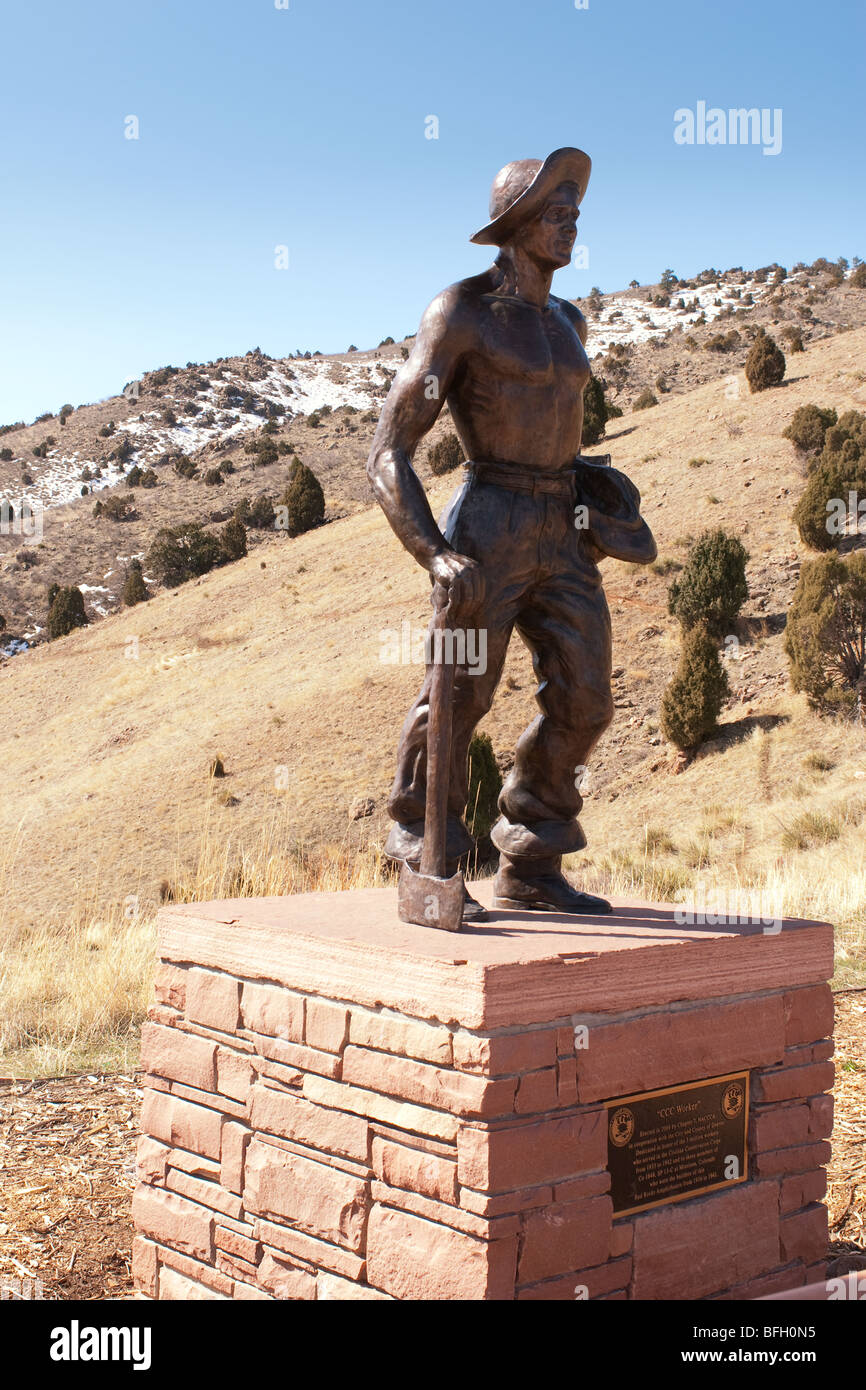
x=273 y=664
x=274 y=661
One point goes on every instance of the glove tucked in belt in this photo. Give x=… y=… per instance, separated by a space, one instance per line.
x=613 y=523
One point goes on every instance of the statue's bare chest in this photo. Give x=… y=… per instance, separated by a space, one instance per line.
x=518 y=342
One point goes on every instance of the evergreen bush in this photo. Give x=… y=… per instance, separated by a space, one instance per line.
x=839 y=472
x=134 y=588
x=825 y=635
x=692 y=702
x=597 y=410
x=66 y=611
x=233 y=539
x=712 y=587
x=485 y=784
x=765 y=364
x=303 y=499
x=183 y=552
x=184 y=467
x=808 y=426
x=445 y=455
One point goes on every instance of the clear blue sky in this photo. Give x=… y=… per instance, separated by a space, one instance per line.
x=305 y=127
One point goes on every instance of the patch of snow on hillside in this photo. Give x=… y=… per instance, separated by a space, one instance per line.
x=314 y=384
x=14 y=646
x=626 y=326
x=97 y=606
x=157 y=439
x=304 y=387
x=62 y=480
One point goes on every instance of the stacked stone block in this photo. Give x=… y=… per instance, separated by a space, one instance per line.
x=297 y=1146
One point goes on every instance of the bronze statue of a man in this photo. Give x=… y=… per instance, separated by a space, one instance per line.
x=519 y=543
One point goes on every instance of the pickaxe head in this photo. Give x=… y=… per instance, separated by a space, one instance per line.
x=429 y=901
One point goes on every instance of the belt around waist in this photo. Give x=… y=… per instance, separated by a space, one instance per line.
x=518 y=478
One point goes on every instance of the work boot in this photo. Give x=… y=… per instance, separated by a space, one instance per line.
x=539 y=885
x=472 y=909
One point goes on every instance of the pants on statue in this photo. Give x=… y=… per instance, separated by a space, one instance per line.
x=539 y=580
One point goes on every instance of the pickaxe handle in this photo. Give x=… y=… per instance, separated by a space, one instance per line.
x=439 y=719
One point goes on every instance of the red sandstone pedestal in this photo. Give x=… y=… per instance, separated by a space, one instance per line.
x=341 y=1106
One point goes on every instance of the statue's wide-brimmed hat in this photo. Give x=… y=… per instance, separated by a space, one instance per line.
x=521 y=189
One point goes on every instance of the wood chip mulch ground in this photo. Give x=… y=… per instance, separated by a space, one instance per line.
x=846 y=1176
x=67 y=1160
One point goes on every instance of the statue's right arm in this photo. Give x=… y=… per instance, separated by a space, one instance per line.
x=411 y=409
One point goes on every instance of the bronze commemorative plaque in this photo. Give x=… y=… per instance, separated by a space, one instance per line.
x=665 y=1145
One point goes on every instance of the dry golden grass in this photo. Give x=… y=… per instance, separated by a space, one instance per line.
x=73 y=994
x=74 y=990
x=758 y=816
x=276 y=865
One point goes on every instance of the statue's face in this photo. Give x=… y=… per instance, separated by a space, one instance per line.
x=549 y=238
